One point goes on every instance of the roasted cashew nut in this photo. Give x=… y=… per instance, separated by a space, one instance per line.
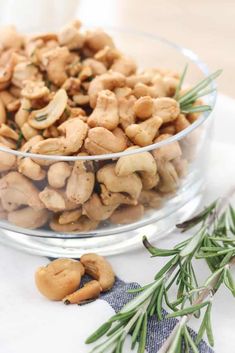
x=115 y=198
x=99 y=268
x=91 y=290
x=166 y=108
x=47 y=116
x=59 y=278
x=83 y=224
x=34 y=89
x=143 y=134
x=58 y=173
x=130 y=184
x=105 y=113
x=127 y=214
x=28 y=217
x=95 y=210
x=52 y=199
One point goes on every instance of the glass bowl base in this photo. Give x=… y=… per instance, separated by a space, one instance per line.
x=107 y=245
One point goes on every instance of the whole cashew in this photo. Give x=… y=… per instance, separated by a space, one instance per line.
x=30 y=169
x=96 y=66
x=75 y=131
x=83 y=224
x=167 y=152
x=28 y=217
x=67 y=217
x=115 y=198
x=143 y=107
x=60 y=278
x=130 y=184
x=124 y=65
x=81 y=182
x=166 y=108
x=58 y=173
x=28 y=131
x=71 y=37
x=149 y=181
x=105 y=113
x=47 y=116
x=102 y=141
x=150 y=198
x=16 y=188
x=143 y=134
x=129 y=164
x=169 y=180
x=23 y=113
x=91 y=290
x=109 y=80
x=7 y=161
x=127 y=214
x=126 y=111
x=95 y=210
x=99 y=268
x=52 y=199
x=97 y=40
x=7 y=132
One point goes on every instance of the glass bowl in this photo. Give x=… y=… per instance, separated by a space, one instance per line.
x=157 y=210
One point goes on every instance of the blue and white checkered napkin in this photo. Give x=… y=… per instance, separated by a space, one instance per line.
x=158 y=331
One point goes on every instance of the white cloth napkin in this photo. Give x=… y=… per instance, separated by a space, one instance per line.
x=30 y=323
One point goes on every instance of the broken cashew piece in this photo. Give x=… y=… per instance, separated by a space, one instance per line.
x=99 y=268
x=59 y=278
x=47 y=116
x=91 y=290
x=52 y=199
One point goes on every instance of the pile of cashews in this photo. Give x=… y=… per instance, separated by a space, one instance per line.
x=73 y=93
x=60 y=279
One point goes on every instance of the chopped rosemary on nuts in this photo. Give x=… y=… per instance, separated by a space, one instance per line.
x=41 y=117
x=20 y=139
x=214 y=241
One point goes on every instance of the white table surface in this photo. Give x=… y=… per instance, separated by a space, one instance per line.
x=31 y=323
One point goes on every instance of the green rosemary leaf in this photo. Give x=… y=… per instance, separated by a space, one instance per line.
x=200 y=86
x=208 y=326
x=196 y=109
x=143 y=335
x=99 y=333
x=179 y=86
x=202 y=328
x=136 y=331
x=176 y=344
x=116 y=327
x=29 y=110
x=122 y=315
x=189 y=310
x=193 y=243
x=167 y=267
x=20 y=139
x=119 y=346
x=156 y=251
x=138 y=290
x=228 y=281
x=190 y=341
x=41 y=117
x=160 y=302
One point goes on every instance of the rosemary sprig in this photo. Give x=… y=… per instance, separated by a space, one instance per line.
x=188 y=99
x=214 y=236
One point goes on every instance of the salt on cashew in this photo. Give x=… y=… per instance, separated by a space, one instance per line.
x=115 y=198
x=58 y=173
x=143 y=107
x=47 y=116
x=34 y=89
x=81 y=182
x=143 y=134
x=7 y=161
x=95 y=210
x=130 y=184
x=52 y=199
x=105 y=113
x=124 y=65
x=71 y=37
x=99 y=268
x=83 y=224
x=67 y=217
x=97 y=40
x=30 y=169
x=150 y=198
x=16 y=188
x=127 y=214
x=103 y=141
x=90 y=290
x=166 y=108
x=141 y=162
x=108 y=80
x=74 y=130
x=28 y=217
x=59 y=278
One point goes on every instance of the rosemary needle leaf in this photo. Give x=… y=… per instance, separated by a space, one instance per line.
x=208 y=326
x=99 y=333
x=196 y=109
x=179 y=86
x=136 y=331
x=189 y=310
x=143 y=335
x=190 y=341
x=228 y=281
x=192 y=244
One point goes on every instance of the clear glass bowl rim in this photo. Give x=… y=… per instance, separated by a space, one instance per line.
x=189 y=54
